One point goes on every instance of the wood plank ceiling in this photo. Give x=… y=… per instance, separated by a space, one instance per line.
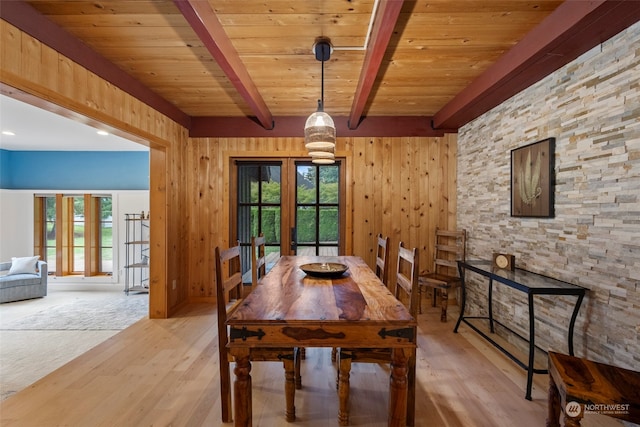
x=246 y=68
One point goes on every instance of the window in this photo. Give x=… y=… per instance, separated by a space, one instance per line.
x=73 y=233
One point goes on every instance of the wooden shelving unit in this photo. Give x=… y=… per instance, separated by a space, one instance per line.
x=136 y=253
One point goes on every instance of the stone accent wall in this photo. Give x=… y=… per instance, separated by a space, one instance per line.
x=592 y=108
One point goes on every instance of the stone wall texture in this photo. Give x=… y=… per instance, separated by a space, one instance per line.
x=592 y=108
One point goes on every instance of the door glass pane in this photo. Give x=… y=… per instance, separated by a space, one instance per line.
x=306 y=225
x=306 y=184
x=328 y=225
x=270 y=182
x=329 y=184
x=317 y=209
x=258 y=210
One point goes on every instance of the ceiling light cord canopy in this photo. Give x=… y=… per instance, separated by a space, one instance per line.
x=319 y=129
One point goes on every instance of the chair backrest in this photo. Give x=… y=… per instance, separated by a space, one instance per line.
x=229 y=296
x=450 y=248
x=228 y=287
x=258 y=259
x=382 y=259
x=407 y=277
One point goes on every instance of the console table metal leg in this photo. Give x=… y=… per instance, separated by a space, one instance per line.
x=463 y=289
x=572 y=323
x=491 y=305
x=532 y=347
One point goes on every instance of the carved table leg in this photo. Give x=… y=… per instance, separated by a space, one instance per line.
x=289 y=389
x=398 y=387
x=553 y=414
x=242 y=389
x=343 y=388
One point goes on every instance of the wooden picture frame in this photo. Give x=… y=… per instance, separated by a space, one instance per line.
x=532 y=179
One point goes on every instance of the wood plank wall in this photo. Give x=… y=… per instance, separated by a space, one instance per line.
x=33 y=72
x=401 y=187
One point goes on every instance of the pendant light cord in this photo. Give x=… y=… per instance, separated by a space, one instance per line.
x=322 y=83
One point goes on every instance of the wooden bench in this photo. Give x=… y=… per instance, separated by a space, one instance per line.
x=578 y=386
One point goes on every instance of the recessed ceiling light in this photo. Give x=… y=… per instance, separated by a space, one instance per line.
x=102 y=132
x=8 y=132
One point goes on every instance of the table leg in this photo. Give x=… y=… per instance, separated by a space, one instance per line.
x=344 y=367
x=289 y=388
x=444 y=295
x=553 y=409
x=572 y=421
x=242 y=389
x=398 y=387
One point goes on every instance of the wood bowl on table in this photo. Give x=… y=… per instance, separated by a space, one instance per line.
x=324 y=269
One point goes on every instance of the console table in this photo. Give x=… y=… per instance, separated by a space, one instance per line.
x=529 y=283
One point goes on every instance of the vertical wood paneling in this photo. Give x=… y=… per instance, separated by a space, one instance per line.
x=159 y=269
x=11 y=52
x=30 y=67
x=398 y=187
x=65 y=84
x=49 y=70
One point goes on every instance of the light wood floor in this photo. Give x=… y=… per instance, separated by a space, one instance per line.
x=165 y=372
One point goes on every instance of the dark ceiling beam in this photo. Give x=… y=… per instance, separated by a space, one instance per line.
x=293 y=126
x=571 y=30
x=385 y=20
x=206 y=25
x=24 y=17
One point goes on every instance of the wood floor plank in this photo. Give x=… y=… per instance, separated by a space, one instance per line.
x=164 y=372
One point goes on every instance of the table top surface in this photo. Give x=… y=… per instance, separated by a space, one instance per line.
x=287 y=295
x=524 y=280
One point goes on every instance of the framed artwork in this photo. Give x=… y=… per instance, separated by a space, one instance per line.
x=532 y=179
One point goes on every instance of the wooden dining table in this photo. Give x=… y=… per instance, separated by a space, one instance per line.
x=354 y=309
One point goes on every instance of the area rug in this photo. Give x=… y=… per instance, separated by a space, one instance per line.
x=86 y=315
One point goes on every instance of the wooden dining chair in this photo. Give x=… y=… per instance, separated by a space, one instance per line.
x=258 y=259
x=229 y=296
x=382 y=259
x=406 y=291
x=450 y=247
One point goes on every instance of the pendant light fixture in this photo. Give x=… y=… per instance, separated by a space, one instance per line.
x=319 y=130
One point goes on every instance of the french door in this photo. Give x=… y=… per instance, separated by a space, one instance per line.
x=297 y=205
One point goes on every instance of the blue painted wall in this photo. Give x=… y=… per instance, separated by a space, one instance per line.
x=74 y=170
